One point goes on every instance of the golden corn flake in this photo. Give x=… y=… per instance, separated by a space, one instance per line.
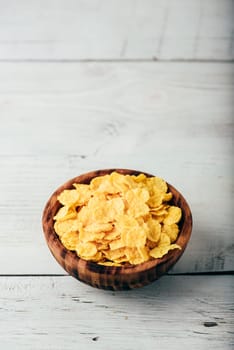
x=116 y=244
x=112 y=235
x=70 y=240
x=134 y=238
x=173 y=215
x=164 y=240
x=135 y=256
x=86 y=249
x=84 y=193
x=160 y=251
x=112 y=255
x=136 y=202
x=118 y=219
x=68 y=197
x=154 y=230
x=157 y=184
x=172 y=231
x=70 y=225
x=155 y=199
x=90 y=236
x=167 y=196
x=144 y=253
x=132 y=233
x=65 y=213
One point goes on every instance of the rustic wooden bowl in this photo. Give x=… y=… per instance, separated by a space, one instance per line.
x=111 y=277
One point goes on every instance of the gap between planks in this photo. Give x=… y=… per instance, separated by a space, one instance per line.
x=118 y=60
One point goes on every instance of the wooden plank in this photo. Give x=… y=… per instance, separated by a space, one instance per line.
x=59 y=120
x=59 y=312
x=109 y=29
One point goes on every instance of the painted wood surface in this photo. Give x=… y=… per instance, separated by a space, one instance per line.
x=62 y=313
x=110 y=29
x=59 y=120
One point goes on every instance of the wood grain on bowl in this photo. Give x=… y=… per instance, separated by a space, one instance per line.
x=112 y=277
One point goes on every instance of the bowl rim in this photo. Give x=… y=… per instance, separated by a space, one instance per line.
x=129 y=269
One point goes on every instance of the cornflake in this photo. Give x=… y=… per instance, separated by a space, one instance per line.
x=118 y=219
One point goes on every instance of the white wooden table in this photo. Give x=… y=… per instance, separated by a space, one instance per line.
x=142 y=84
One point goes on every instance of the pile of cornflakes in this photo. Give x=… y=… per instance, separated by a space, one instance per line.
x=118 y=219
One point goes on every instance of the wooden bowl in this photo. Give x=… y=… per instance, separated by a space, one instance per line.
x=111 y=277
